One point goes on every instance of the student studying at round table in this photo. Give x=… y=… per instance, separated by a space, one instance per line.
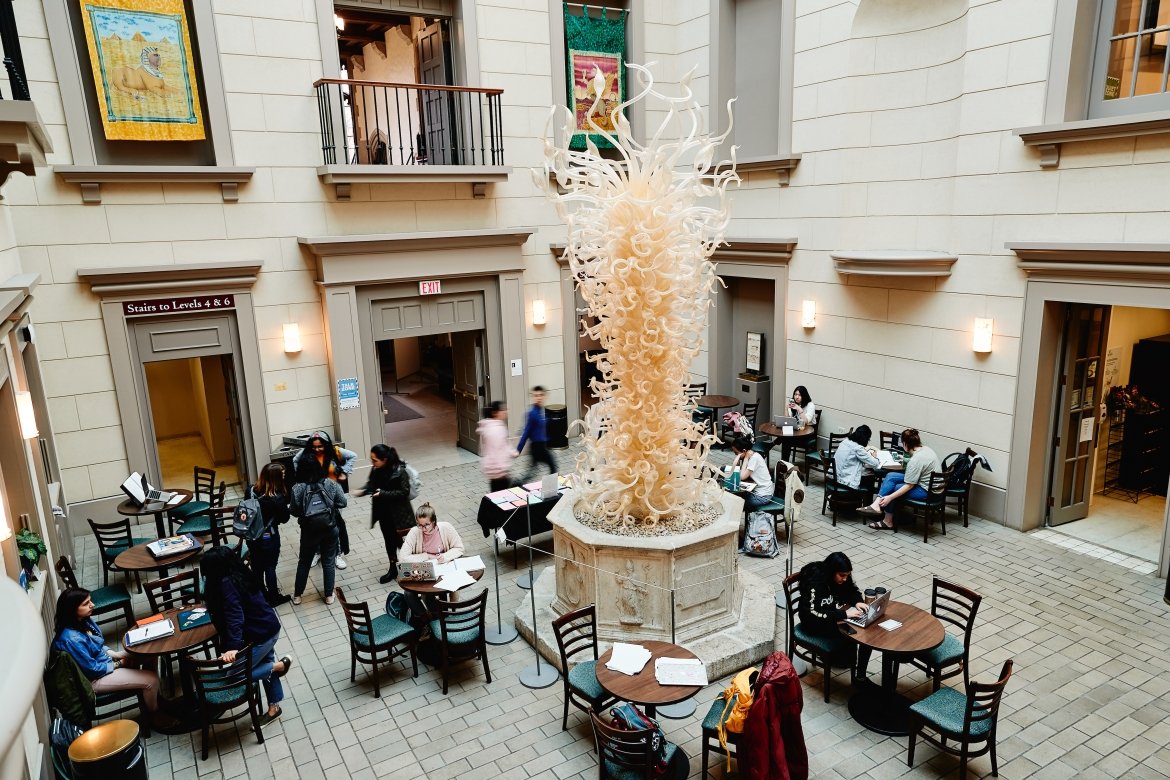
x=910 y=483
x=752 y=468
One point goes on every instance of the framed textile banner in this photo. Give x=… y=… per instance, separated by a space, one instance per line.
x=143 y=69
x=595 y=43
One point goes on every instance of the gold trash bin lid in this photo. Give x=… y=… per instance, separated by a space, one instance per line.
x=103 y=741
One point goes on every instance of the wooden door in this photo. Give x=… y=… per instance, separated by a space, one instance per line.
x=438 y=106
x=468 y=358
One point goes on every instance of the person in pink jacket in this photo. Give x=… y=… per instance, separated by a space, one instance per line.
x=495 y=451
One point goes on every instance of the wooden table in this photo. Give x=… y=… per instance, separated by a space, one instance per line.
x=715 y=403
x=883 y=709
x=138 y=558
x=643 y=688
x=428 y=587
x=156 y=508
x=768 y=429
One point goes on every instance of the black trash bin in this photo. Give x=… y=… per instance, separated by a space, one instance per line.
x=556 y=418
x=111 y=749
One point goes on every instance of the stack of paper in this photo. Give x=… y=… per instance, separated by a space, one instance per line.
x=174 y=499
x=454 y=581
x=149 y=632
x=680 y=671
x=172 y=545
x=627 y=659
x=501 y=497
x=889 y=625
x=443 y=569
x=473 y=563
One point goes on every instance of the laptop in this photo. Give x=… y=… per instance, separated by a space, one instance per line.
x=417 y=570
x=872 y=613
x=787 y=422
x=140 y=491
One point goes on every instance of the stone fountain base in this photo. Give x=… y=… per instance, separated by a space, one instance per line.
x=725 y=616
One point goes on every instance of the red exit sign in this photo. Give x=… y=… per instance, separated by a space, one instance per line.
x=429 y=288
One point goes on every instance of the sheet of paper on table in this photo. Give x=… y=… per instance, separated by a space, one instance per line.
x=680 y=671
x=150 y=631
x=627 y=659
x=454 y=581
x=787 y=430
x=889 y=625
x=176 y=498
x=443 y=569
x=885 y=458
x=472 y=563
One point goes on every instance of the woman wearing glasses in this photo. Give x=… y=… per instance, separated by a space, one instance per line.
x=429 y=540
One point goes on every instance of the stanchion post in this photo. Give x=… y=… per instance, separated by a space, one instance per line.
x=535 y=676
x=687 y=707
x=500 y=635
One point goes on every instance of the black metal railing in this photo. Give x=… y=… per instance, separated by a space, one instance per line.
x=376 y=123
x=13 y=59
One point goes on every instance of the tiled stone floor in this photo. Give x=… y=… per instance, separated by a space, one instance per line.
x=1089 y=698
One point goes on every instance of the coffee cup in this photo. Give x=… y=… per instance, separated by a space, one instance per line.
x=879 y=591
x=870 y=595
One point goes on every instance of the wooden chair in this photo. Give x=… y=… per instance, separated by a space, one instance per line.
x=377 y=640
x=576 y=634
x=178 y=590
x=956 y=605
x=697 y=390
x=960 y=489
x=625 y=754
x=727 y=433
x=459 y=627
x=817 y=460
x=110 y=599
x=815 y=650
x=838 y=495
x=68 y=693
x=220 y=687
x=807 y=447
x=223 y=530
x=112 y=539
x=199 y=523
x=934 y=505
x=968 y=719
x=204 y=482
x=717 y=714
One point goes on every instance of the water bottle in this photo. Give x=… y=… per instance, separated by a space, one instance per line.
x=735 y=480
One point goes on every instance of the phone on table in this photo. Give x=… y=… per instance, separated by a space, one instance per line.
x=848 y=629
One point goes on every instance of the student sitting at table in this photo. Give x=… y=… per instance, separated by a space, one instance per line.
x=911 y=483
x=852 y=457
x=752 y=468
x=828 y=595
x=429 y=540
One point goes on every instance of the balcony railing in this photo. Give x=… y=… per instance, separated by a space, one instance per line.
x=376 y=123
x=13 y=59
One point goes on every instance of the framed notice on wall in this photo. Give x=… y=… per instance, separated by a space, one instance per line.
x=755 y=352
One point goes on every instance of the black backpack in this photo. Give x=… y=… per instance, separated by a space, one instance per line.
x=960 y=468
x=318 y=514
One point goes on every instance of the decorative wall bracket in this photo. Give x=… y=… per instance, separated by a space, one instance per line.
x=92 y=177
x=24 y=142
x=893 y=262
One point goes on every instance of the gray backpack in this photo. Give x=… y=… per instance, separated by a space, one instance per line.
x=760 y=539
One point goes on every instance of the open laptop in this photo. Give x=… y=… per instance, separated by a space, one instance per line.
x=140 y=491
x=787 y=422
x=872 y=613
x=417 y=570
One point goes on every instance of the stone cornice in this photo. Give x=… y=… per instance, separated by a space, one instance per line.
x=1048 y=138
x=377 y=243
x=1077 y=260
x=343 y=177
x=91 y=177
x=761 y=251
x=893 y=262
x=781 y=165
x=171 y=278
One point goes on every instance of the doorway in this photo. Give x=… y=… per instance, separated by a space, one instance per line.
x=194 y=408
x=1111 y=453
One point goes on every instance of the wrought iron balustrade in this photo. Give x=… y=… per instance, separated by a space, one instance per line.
x=13 y=59
x=378 y=123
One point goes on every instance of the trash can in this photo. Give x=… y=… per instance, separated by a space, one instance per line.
x=112 y=749
x=556 y=418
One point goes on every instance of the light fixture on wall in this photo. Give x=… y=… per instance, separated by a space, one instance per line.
x=539 y=315
x=5 y=529
x=339 y=23
x=981 y=339
x=292 y=337
x=27 y=414
x=808 y=314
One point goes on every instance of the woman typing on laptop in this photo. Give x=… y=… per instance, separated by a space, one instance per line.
x=829 y=595
x=429 y=540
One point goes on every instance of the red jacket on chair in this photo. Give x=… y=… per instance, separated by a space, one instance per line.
x=772 y=744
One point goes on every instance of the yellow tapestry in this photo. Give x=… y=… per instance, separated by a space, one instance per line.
x=143 y=69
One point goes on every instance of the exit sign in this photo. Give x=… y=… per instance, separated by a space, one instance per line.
x=429 y=288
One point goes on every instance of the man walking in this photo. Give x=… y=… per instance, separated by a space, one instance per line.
x=536 y=431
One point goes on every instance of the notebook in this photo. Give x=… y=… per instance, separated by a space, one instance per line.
x=149 y=632
x=193 y=618
x=875 y=611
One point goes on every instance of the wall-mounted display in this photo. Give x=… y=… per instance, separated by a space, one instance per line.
x=755 y=352
x=143 y=69
x=595 y=49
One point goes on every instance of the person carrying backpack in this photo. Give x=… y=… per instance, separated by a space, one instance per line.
x=389 y=489
x=263 y=534
x=337 y=464
x=317 y=501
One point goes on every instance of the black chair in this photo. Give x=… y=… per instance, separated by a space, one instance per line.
x=702 y=414
x=626 y=755
x=459 y=627
x=110 y=599
x=838 y=495
x=956 y=605
x=70 y=693
x=959 y=488
x=807 y=446
x=221 y=687
x=199 y=523
x=727 y=433
x=223 y=530
x=576 y=633
x=933 y=505
x=204 y=488
x=178 y=590
x=967 y=719
x=377 y=640
x=817 y=460
x=816 y=650
x=717 y=714
x=112 y=540
x=891 y=441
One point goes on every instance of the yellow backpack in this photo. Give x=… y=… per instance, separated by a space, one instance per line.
x=739 y=700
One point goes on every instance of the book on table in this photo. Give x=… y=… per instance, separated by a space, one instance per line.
x=172 y=545
x=680 y=671
x=192 y=618
x=149 y=632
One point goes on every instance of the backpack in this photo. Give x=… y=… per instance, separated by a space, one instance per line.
x=415 y=482
x=396 y=606
x=627 y=717
x=960 y=468
x=318 y=513
x=738 y=423
x=739 y=700
x=760 y=539
x=248 y=520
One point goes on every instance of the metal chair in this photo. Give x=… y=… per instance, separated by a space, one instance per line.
x=204 y=481
x=220 y=687
x=626 y=754
x=377 y=640
x=813 y=649
x=956 y=605
x=838 y=495
x=113 y=539
x=459 y=627
x=199 y=523
x=934 y=505
x=576 y=633
x=968 y=719
x=110 y=599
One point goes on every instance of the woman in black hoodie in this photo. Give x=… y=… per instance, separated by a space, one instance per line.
x=829 y=595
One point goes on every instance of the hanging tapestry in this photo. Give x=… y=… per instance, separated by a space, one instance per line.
x=595 y=43
x=143 y=69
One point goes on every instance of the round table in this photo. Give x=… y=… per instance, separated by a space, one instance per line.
x=156 y=508
x=178 y=642
x=429 y=587
x=769 y=429
x=715 y=403
x=643 y=688
x=883 y=709
x=138 y=558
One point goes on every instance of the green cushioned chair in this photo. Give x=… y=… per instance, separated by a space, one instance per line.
x=221 y=687
x=956 y=605
x=576 y=634
x=934 y=505
x=461 y=633
x=716 y=715
x=204 y=480
x=376 y=641
x=629 y=755
x=816 y=650
x=113 y=599
x=839 y=496
x=112 y=539
x=199 y=523
x=948 y=716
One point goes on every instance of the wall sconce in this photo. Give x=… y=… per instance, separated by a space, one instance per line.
x=292 y=337
x=539 y=315
x=981 y=340
x=5 y=529
x=339 y=23
x=27 y=414
x=808 y=314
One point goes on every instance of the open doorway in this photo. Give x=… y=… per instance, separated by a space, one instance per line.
x=194 y=408
x=1111 y=456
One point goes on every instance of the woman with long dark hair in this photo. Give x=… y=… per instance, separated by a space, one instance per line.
x=317 y=501
x=389 y=489
x=829 y=595
x=242 y=616
x=270 y=491
x=337 y=464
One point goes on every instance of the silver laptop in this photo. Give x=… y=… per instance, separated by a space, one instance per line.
x=417 y=570
x=872 y=613
x=140 y=491
x=790 y=422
